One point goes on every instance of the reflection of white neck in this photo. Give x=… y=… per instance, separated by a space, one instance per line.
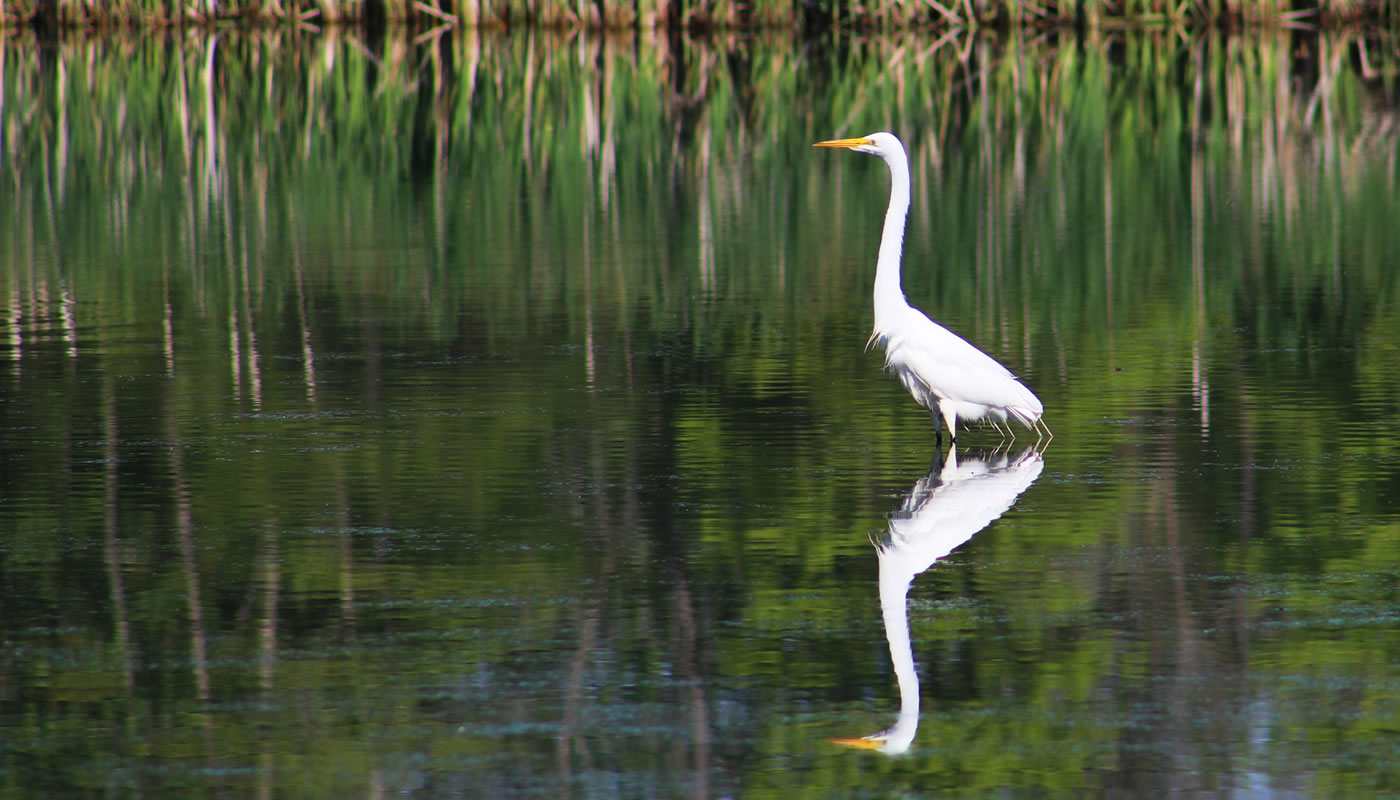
x=895 y=579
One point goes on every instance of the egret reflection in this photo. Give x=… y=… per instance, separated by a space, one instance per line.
x=945 y=508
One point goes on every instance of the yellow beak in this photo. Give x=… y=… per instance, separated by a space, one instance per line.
x=864 y=743
x=848 y=143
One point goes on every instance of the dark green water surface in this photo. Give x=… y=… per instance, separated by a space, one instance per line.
x=489 y=416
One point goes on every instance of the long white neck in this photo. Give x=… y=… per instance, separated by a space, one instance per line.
x=889 y=297
x=894 y=593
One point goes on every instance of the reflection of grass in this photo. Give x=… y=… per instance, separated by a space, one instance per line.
x=701 y=14
x=583 y=125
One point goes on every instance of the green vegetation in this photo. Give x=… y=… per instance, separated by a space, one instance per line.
x=699 y=14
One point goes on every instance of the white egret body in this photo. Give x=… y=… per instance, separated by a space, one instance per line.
x=941 y=512
x=943 y=371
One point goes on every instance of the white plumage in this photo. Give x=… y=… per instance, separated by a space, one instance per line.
x=941 y=370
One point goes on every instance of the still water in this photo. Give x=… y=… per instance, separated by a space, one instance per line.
x=489 y=417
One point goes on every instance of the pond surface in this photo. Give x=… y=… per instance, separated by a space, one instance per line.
x=491 y=417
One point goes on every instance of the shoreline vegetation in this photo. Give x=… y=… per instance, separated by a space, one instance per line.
x=700 y=15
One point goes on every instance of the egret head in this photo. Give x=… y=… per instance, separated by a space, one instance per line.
x=876 y=144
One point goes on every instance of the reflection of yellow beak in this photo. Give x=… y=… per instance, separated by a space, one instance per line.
x=847 y=143
x=863 y=743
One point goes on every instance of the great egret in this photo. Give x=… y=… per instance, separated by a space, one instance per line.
x=940 y=513
x=943 y=371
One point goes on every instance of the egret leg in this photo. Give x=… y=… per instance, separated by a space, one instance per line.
x=937 y=428
x=950 y=418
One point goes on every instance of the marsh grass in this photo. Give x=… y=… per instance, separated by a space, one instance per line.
x=698 y=15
